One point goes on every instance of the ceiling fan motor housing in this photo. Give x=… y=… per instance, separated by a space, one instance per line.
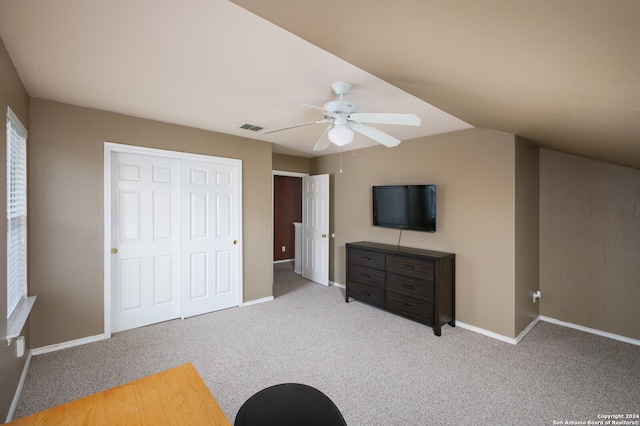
x=340 y=107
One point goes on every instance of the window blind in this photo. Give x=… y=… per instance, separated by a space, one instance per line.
x=16 y=212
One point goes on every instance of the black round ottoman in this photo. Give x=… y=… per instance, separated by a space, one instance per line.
x=289 y=404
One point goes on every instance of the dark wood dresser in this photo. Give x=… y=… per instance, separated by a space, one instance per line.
x=415 y=283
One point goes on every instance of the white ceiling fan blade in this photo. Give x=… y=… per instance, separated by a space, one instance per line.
x=386 y=118
x=313 y=106
x=323 y=142
x=376 y=135
x=297 y=125
x=326 y=112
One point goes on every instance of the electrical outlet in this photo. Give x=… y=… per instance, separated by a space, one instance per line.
x=536 y=295
x=20 y=347
x=284 y=248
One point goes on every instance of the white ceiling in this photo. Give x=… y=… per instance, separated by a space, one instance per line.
x=207 y=64
x=563 y=73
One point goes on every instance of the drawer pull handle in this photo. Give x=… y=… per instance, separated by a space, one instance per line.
x=407 y=306
x=408 y=266
x=366 y=258
x=366 y=293
x=408 y=286
x=366 y=276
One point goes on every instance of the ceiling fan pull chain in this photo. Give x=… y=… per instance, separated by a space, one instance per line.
x=340 y=159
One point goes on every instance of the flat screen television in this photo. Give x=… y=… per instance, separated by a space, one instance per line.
x=410 y=207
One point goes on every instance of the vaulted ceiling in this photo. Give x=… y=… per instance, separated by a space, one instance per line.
x=564 y=74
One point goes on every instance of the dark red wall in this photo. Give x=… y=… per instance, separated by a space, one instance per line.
x=287 y=208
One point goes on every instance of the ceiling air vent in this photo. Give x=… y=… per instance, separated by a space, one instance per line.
x=251 y=127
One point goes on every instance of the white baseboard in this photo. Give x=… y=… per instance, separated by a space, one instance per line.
x=70 y=344
x=16 y=397
x=255 y=302
x=550 y=320
x=333 y=283
x=284 y=261
x=591 y=330
x=486 y=333
x=527 y=329
x=499 y=336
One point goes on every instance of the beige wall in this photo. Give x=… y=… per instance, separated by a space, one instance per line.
x=589 y=243
x=527 y=233
x=14 y=95
x=290 y=163
x=66 y=183
x=474 y=171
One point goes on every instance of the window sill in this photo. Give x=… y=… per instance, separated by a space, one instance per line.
x=16 y=323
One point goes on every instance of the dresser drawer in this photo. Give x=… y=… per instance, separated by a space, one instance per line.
x=368 y=276
x=419 y=268
x=410 y=286
x=410 y=307
x=366 y=293
x=366 y=258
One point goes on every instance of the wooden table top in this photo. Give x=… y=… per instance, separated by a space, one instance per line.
x=174 y=397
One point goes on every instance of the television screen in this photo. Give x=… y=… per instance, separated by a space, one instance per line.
x=405 y=207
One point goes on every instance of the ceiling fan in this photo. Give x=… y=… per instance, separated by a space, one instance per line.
x=344 y=118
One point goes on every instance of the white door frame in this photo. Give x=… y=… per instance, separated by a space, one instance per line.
x=111 y=147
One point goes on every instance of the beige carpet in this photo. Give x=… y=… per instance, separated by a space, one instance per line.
x=378 y=368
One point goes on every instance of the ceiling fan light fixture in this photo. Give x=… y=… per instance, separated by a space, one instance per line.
x=340 y=135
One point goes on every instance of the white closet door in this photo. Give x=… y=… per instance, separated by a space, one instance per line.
x=210 y=236
x=145 y=229
x=175 y=226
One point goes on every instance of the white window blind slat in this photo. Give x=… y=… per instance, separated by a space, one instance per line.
x=16 y=213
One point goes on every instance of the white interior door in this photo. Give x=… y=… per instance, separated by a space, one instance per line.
x=210 y=237
x=145 y=229
x=315 y=209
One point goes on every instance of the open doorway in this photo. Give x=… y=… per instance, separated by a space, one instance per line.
x=300 y=199
x=287 y=210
